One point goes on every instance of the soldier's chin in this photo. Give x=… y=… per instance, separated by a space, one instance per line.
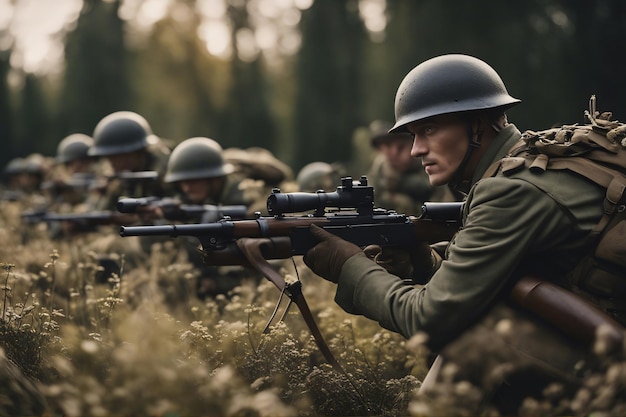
x=437 y=179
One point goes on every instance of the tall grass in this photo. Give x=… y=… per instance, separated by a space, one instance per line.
x=77 y=340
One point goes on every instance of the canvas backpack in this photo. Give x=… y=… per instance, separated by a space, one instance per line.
x=597 y=151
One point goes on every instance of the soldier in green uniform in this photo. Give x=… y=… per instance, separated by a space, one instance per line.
x=125 y=140
x=399 y=180
x=74 y=171
x=71 y=178
x=515 y=223
x=197 y=168
x=319 y=176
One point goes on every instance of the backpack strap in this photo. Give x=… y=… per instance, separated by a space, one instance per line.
x=612 y=180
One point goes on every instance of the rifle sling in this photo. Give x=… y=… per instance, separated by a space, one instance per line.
x=252 y=250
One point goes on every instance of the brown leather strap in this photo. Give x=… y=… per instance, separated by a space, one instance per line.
x=252 y=249
x=569 y=312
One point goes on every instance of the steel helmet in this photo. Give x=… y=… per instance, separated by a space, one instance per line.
x=379 y=133
x=120 y=132
x=317 y=176
x=15 y=166
x=449 y=84
x=73 y=147
x=196 y=158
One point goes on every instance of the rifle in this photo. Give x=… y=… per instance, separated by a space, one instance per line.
x=89 y=218
x=174 y=209
x=130 y=179
x=350 y=214
x=11 y=195
x=78 y=181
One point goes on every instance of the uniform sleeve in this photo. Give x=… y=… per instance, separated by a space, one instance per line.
x=508 y=219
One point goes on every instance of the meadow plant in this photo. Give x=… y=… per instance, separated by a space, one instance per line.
x=79 y=339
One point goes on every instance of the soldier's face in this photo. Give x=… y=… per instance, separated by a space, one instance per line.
x=131 y=161
x=201 y=190
x=397 y=151
x=78 y=166
x=197 y=190
x=441 y=142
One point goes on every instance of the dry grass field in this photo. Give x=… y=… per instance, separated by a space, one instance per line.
x=78 y=342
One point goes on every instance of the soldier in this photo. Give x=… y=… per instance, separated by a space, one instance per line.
x=262 y=172
x=515 y=223
x=126 y=141
x=75 y=171
x=137 y=159
x=198 y=169
x=399 y=180
x=12 y=171
x=70 y=180
x=319 y=176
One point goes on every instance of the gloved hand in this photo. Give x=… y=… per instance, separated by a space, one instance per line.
x=417 y=263
x=327 y=257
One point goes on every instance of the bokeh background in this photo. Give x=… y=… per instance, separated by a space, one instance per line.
x=298 y=77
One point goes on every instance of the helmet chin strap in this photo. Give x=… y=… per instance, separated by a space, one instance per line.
x=474 y=137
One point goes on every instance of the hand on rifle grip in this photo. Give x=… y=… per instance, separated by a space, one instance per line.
x=395 y=260
x=417 y=263
x=327 y=257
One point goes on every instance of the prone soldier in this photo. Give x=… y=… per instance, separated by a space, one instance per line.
x=137 y=159
x=516 y=222
x=198 y=169
x=399 y=179
x=319 y=176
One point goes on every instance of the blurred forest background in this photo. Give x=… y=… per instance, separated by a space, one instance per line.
x=298 y=77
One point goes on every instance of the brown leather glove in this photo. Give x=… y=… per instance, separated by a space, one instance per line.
x=327 y=257
x=417 y=263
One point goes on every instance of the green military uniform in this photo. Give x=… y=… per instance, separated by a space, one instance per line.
x=106 y=197
x=213 y=280
x=515 y=223
x=202 y=158
x=530 y=220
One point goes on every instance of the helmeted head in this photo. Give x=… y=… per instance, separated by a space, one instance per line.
x=73 y=148
x=196 y=158
x=395 y=146
x=120 y=132
x=452 y=104
x=15 y=166
x=317 y=176
x=449 y=84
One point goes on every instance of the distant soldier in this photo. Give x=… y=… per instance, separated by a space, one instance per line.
x=319 y=176
x=198 y=169
x=30 y=177
x=70 y=180
x=74 y=172
x=137 y=159
x=11 y=190
x=126 y=141
x=262 y=172
x=399 y=180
